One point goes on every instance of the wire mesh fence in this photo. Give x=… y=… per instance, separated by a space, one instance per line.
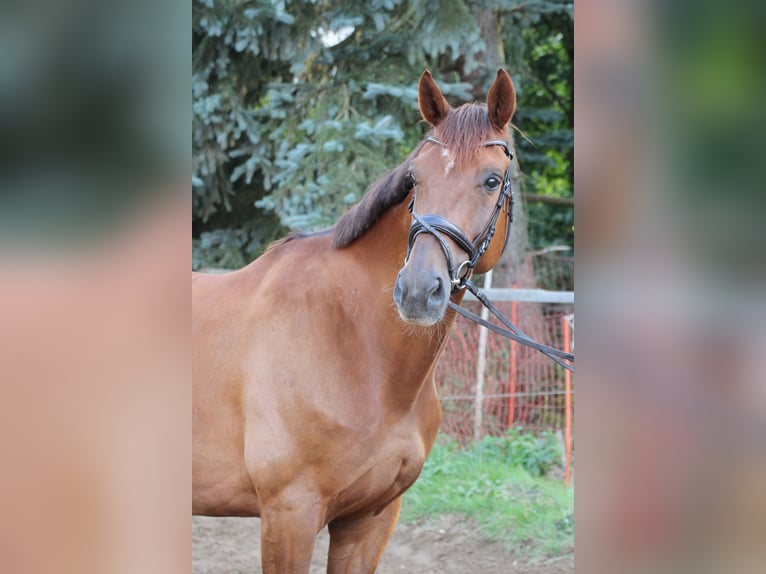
x=521 y=386
x=518 y=386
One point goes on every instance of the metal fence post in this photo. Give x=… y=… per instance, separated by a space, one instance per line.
x=481 y=368
x=567 y=404
x=512 y=372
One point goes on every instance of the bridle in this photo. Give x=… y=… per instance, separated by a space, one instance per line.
x=438 y=226
x=460 y=275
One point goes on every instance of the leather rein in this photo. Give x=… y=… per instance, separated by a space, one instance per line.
x=460 y=275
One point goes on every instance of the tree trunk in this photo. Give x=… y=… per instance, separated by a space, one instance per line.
x=494 y=55
x=507 y=269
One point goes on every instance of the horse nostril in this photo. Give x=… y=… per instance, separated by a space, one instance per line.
x=398 y=291
x=435 y=295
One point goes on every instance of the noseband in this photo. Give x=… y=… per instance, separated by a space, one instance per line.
x=439 y=226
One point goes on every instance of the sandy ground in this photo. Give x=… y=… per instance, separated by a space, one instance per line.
x=445 y=545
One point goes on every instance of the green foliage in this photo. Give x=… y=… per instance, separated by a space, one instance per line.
x=546 y=115
x=489 y=482
x=299 y=122
x=537 y=454
x=221 y=248
x=323 y=162
x=550 y=225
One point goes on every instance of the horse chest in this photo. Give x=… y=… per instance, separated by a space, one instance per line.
x=367 y=481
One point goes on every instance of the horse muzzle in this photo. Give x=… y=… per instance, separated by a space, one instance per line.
x=421 y=295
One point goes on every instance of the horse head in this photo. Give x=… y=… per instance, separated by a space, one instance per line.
x=460 y=201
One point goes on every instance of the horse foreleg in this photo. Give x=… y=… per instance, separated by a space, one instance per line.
x=356 y=546
x=288 y=531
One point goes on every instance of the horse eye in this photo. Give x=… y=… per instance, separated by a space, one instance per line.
x=409 y=180
x=491 y=183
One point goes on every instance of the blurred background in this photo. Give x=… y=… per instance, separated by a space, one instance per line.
x=94 y=291
x=90 y=125
x=671 y=387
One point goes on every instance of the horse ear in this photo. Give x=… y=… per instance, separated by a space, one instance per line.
x=501 y=100
x=433 y=107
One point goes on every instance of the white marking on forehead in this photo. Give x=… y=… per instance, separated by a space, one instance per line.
x=449 y=163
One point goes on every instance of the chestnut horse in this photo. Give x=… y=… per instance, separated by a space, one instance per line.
x=313 y=398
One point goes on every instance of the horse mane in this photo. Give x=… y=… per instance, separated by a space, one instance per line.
x=462 y=132
x=388 y=191
x=295 y=235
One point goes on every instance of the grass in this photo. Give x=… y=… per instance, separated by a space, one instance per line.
x=493 y=483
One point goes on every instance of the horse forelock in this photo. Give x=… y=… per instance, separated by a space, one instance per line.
x=464 y=130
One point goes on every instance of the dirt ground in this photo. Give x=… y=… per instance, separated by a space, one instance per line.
x=445 y=545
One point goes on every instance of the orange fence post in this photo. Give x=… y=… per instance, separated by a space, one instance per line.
x=567 y=404
x=512 y=372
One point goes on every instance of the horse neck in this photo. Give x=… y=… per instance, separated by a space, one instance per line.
x=407 y=353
